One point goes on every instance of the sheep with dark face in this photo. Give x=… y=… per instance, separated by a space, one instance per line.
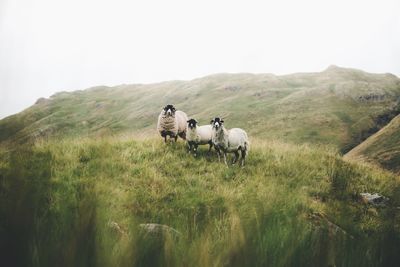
x=234 y=141
x=172 y=123
x=198 y=135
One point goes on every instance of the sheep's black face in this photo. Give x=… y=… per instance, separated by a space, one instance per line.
x=192 y=123
x=169 y=110
x=217 y=123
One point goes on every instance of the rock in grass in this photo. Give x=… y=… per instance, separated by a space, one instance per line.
x=320 y=219
x=157 y=229
x=116 y=227
x=374 y=199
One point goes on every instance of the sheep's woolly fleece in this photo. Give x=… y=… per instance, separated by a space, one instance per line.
x=200 y=134
x=174 y=124
x=167 y=123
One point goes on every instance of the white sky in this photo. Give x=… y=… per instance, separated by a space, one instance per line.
x=53 y=45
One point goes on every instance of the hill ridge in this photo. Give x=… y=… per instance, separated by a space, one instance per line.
x=328 y=69
x=381 y=148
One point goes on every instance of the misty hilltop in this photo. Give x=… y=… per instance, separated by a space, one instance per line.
x=338 y=106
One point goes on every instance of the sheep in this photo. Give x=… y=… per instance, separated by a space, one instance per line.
x=229 y=141
x=198 y=135
x=172 y=123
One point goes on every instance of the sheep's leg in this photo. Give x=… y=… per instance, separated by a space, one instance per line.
x=195 y=150
x=218 y=153
x=236 y=157
x=176 y=138
x=190 y=147
x=209 y=149
x=243 y=157
x=165 y=138
x=226 y=163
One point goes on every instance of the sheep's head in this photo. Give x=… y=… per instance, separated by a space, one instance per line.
x=169 y=110
x=192 y=123
x=217 y=123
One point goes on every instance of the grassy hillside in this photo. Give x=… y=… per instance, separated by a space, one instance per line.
x=80 y=202
x=337 y=106
x=382 y=148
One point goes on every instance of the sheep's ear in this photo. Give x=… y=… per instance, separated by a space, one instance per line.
x=212 y=121
x=222 y=121
x=196 y=121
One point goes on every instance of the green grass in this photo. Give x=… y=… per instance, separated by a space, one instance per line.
x=79 y=202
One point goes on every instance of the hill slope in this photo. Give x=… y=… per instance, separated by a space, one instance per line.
x=337 y=106
x=81 y=202
x=382 y=148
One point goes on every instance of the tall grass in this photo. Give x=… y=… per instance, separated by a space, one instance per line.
x=81 y=203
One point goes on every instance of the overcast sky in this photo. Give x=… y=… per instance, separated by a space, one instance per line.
x=48 y=46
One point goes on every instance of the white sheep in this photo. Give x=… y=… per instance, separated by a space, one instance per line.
x=172 y=123
x=229 y=141
x=198 y=135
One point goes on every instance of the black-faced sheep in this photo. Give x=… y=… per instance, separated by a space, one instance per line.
x=229 y=141
x=198 y=135
x=172 y=123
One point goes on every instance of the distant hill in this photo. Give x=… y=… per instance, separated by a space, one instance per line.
x=338 y=106
x=382 y=148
